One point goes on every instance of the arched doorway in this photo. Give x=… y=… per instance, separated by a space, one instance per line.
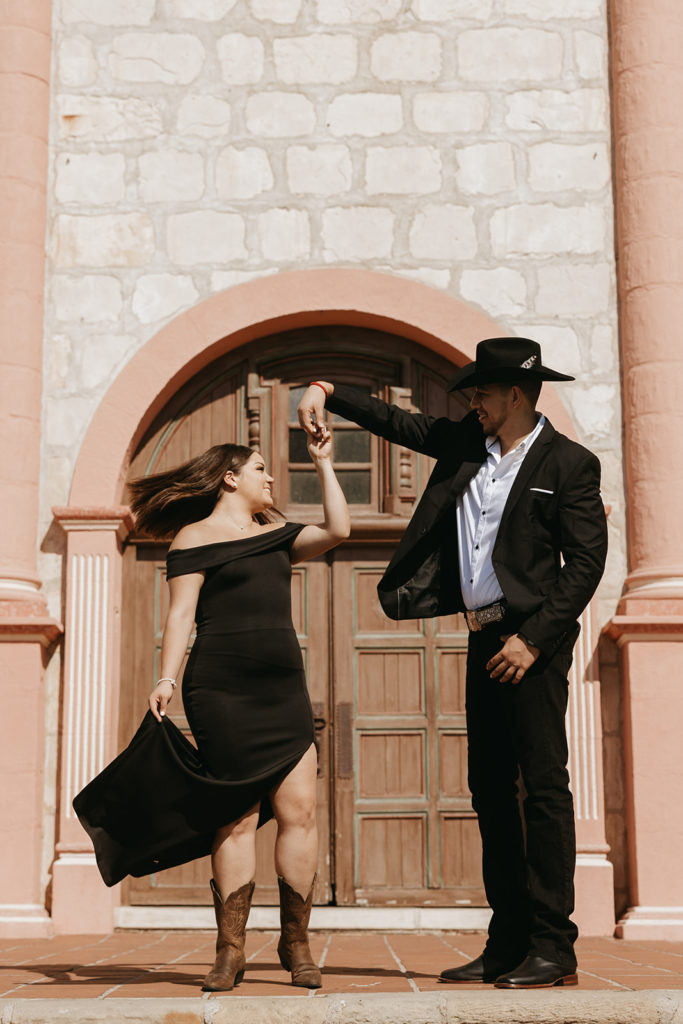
x=96 y=524
x=395 y=817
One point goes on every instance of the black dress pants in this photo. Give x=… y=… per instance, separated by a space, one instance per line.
x=528 y=871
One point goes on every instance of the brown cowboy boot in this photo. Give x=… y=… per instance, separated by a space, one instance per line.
x=231 y=918
x=293 y=950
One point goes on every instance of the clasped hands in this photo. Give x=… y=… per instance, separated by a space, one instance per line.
x=513 y=660
x=311 y=411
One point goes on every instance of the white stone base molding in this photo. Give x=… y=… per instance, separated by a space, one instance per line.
x=81 y=903
x=322 y=918
x=659 y=924
x=24 y=921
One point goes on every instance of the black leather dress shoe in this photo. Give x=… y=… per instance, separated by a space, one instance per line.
x=535 y=972
x=477 y=970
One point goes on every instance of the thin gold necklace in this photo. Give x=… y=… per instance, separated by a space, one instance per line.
x=236 y=524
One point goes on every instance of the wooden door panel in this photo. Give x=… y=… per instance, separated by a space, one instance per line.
x=300 y=601
x=451 y=666
x=401 y=709
x=391 y=765
x=451 y=624
x=453 y=765
x=390 y=682
x=368 y=616
x=392 y=853
x=265 y=876
x=461 y=847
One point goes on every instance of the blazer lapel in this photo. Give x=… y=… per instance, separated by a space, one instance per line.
x=536 y=454
x=463 y=476
x=453 y=475
x=445 y=495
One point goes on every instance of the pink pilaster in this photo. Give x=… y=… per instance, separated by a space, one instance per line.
x=647 y=84
x=80 y=901
x=594 y=874
x=26 y=630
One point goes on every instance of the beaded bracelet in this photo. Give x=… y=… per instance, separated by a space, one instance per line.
x=167 y=679
x=317 y=384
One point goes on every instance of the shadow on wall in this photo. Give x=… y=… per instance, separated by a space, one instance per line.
x=54 y=541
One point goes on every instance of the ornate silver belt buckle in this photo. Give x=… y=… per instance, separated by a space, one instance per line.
x=480 y=617
x=492 y=613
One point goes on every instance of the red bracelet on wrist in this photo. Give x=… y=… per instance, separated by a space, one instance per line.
x=317 y=384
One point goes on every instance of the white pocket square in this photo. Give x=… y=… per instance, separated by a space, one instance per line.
x=541 y=490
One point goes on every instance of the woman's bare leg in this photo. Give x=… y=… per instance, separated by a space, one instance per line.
x=233 y=860
x=296 y=856
x=294 y=806
x=233 y=857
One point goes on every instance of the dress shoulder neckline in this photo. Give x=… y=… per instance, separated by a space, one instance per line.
x=235 y=540
x=180 y=561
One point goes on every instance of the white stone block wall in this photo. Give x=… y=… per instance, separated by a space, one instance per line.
x=196 y=144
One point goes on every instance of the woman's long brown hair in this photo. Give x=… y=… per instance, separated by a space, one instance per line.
x=164 y=502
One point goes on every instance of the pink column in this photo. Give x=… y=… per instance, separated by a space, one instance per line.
x=648 y=83
x=90 y=705
x=26 y=629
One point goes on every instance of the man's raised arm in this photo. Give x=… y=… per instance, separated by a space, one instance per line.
x=414 y=430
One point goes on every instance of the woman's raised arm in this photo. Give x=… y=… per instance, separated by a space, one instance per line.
x=313 y=540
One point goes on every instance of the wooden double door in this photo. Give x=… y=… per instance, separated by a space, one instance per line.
x=394 y=813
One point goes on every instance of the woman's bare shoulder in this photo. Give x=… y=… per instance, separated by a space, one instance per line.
x=190 y=536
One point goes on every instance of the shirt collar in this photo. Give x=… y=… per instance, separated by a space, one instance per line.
x=493 y=443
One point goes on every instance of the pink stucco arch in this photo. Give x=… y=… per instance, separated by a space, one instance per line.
x=284 y=301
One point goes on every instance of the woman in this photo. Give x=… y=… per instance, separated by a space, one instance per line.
x=244 y=688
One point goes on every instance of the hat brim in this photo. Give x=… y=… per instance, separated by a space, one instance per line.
x=468 y=377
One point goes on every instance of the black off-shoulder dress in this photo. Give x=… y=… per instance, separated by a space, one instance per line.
x=159 y=803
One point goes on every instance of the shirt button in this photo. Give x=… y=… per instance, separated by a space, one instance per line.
x=483 y=513
x=471 y=581
x=476 y=547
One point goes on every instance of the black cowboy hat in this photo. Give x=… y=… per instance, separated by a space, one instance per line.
x=499 y=360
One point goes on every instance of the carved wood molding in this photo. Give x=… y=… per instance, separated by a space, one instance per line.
x=401 y=493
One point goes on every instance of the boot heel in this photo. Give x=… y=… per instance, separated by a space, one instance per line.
x=239 y=976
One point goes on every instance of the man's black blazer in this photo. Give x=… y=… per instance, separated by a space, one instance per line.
x=551 y=546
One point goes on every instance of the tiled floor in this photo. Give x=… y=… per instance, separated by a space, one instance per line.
x=167 y=964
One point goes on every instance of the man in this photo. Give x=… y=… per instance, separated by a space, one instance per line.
x=511 y=531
